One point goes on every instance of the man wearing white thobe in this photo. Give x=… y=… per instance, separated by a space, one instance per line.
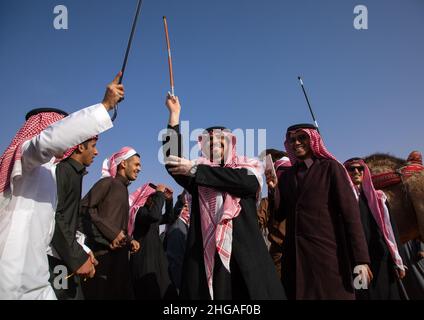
x=28 y=193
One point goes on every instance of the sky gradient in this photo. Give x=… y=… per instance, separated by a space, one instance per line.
x=236 y=64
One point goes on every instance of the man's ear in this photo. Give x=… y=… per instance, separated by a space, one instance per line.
x=80 y=148
x=123 y=164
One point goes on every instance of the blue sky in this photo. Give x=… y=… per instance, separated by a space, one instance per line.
x=236 y=63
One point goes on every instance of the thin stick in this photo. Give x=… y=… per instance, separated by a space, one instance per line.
x=402 y=289
x=137 y=14
x=70 y=275
x=309 y=105
x=171 y=74
x=127 y=52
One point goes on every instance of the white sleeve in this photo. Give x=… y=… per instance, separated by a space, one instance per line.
x=64 y=134
x=81 y=240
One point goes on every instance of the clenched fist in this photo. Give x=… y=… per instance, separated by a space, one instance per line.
x=114 y=93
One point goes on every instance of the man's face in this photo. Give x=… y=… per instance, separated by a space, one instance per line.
x=215 y=146
x=88 y=152
x=132 y=167
x=356 y=173
x=299 y=141
x=185 y=207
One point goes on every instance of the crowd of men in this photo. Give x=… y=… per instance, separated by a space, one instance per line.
x=323 y=232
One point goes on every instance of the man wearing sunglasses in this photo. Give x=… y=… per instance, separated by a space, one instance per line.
x=324 y=237
x=381 y=235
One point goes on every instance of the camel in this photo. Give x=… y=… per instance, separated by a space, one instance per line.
x=405 y=192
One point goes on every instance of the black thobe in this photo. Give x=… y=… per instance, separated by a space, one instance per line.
x=324 y=237
x=104 y=213
x=149 y=266
x=384 y=285
x=253 y=275
x=69 y=175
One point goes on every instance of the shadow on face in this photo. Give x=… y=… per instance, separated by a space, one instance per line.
x=300 y=143
x=356 y=173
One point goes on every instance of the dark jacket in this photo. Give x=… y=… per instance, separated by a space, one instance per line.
x=69 y=175
x=324 y=235
x=253 y=275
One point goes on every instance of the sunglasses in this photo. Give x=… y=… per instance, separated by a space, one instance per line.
x=301 y=138
x=352 y=169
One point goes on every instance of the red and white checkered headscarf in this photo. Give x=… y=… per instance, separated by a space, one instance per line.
x=217 y=230
x=110 y=165
x=137 y=200
x=318 y=149
x=284 y=162
x=317 y=145
x=280 y=166
x=377 y=204
x=10 y=161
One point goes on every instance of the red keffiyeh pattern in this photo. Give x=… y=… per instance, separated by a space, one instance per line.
x=217 y=226
x=10 y=161
x=317 y=146
x=318 y=149
x=281 y=163
x=137 y=200
x=110 y=165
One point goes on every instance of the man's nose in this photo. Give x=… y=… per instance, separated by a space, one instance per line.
x=297 y=142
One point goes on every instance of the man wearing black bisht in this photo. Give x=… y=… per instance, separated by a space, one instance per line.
x=381 y=234
x=226 y=256
x=149 y=266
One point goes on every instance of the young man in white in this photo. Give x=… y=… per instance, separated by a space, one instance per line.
x=28 y=191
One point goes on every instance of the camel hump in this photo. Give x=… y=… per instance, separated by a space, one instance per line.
x=383 y=162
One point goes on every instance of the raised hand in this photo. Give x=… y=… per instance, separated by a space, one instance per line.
x=114 y=93
x=174 y=107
